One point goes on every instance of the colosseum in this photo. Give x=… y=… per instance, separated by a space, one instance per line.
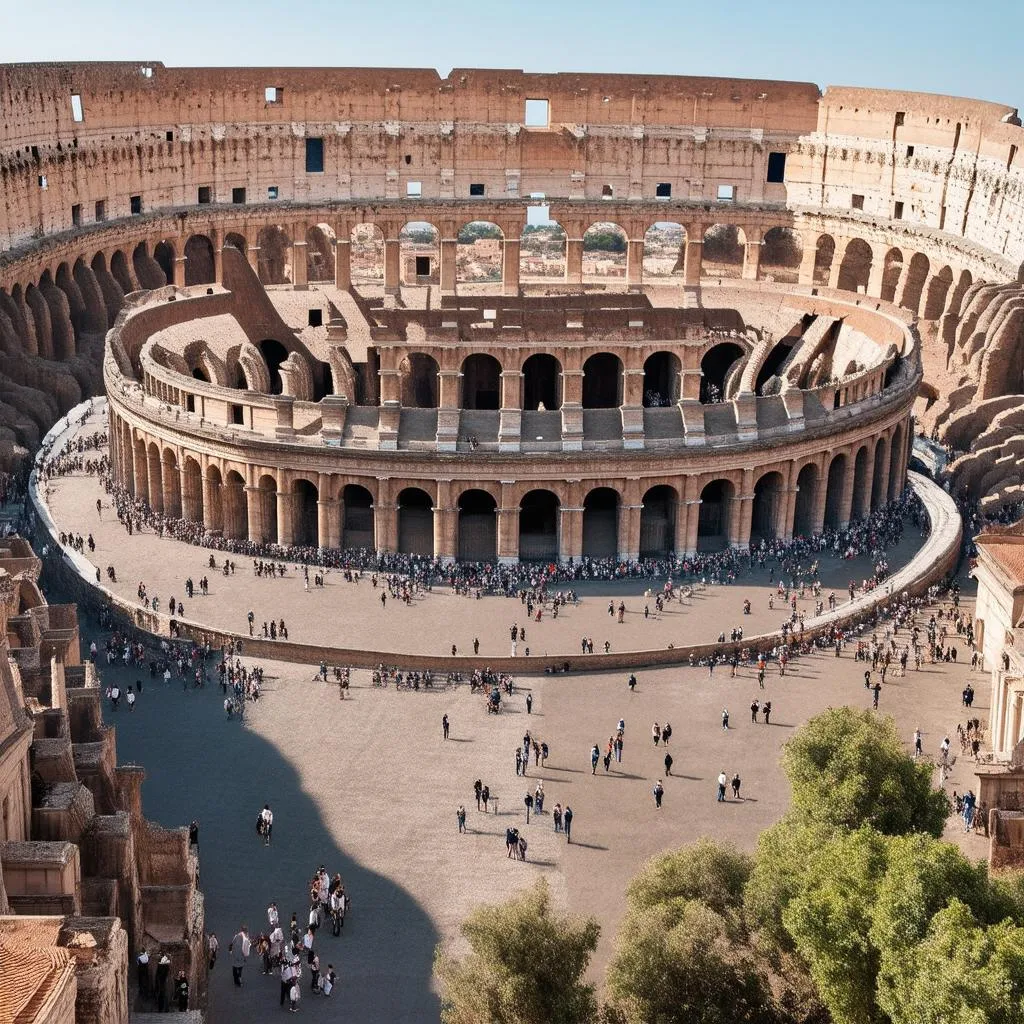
x=507 y=315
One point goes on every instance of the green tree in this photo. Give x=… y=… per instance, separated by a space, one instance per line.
x=848 y=768
x=526 y=966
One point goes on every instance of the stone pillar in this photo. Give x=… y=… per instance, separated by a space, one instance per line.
x=635 y=263
x=572 y=410
x=869 y=480
x=253 y=254
x=218 y=263
x=326 y=519
x=285 y=517
x=254 y=508
x=877 y=271
x=448 y=250
x=752 y=260
x=343 y=263
x=508 y=534
x=179 y=264
x=448 y=389
x=805 y=276
x=300 y=267
x=140 y=473
x=837 y=262
x=446 y=528
x=883 y=484
x=629 y=532
x=741 y=514
x=511 y=415
x=846 y=502
x=510 y=266
x=570 y=532
x=392 y=266
x=785 y=528
x=385 y=517
x=210 y=498
x=574 y=260
x=694 y=254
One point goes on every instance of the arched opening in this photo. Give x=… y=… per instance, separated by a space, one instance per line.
x=141 y=470
x=715 y=369
x=891 y=270
x=171 y=485
x=199 y=267
x=148 y=272
x=542 y=382
x=538 y=526
x=275 y=354
x=716 y=501
x=120 y=273
x=236 y=507
x=834 y=492
x=156 y=485
x=658 y=522
x=478 y=527
x=806 y=500
x=367 y=254
x=213 y=505
x=198 y=373
x=357 y=528
x=542 y=252
x=94 y=299
x=772 y=364
x=415 y=522
x=861 y=494
x=723 y=251
x=661 y=379
x=236 y=241
x=163 y=254
x=305 y=518
x=481 y=382
x=936 y=294
x=110 y=290
x=419 y=253
x=602 y=381
x=897 y=464
x=192 y=492
x=601 y=523
x=780 y=255
x=268 y=508
x=274 y=258
x=72 y=295
x=320 y=253
x=917 y=274
x=418 y=374
x=664 y=258
x=956 y=298
x=880 y=478
x=769 y=510
x=604 y=252
x=824 y=254
x=855 y=268
x=478 y=253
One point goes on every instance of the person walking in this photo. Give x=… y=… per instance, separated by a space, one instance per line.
x=528 y=802
x=725 y=718
x=918 y=750
x=656 y=733
x=239 y=950
x=529 y=703
x=556 y=817
x=722 y=781
x=659 y=792
x=460 y=817
x=267 y=820
x=477 y=788
x=595 y=756
x=736 y=781
x=668 y=763
x=567 y=823
x=632 y=683
x=766 y=710
x=445 y=725
x=212 y=948
x=163 y=972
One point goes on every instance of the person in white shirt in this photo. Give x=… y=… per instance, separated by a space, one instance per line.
x=273 y=918
x=131 y=700
x=267 y=816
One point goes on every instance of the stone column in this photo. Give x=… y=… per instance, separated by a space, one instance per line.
x=300 y=267
x=179 y=263
x=846 y=502
x=635 y=263
x=877 y=271
x=510 y=266
x=392 y=266
x=446 y=528
x=884 y=474
x=570 y=532
x=837 y=261
x=694 y=254
x=448 y=250
x=869 y=480
x=741 y=514
x=572 y=410
x=511 y=416
x=343 y=262
x=218 y=261
x=210 y=498
x=805 y=276
x=820 y=496
x=254 y=509
x=629 y=532
x=326 y=519
x=508 y=532
x=752 y=258
x=785 y=528
x=385 y=517
x=574 y=260
x=285 y=517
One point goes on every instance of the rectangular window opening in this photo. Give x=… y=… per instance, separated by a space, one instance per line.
x=538 y=216
x=273 y=94
x=238 y=415
x=910 y=151
x=146 y=71
x=901 y=117
x=169 y=136
x=76 y=215
x=101 y=209
x=314 y=156
x=537 y=114
x=272 y=191
x=414 y=189
x=776 y=168
x=663 y=190
x=135 y=205
x=77 y=112
x=897 y=212
x=490 y=314
x=726 y=193
x=238 y=196
x=477 y=189
x=856 y=202
x=42 y=181
x=423 y=266
x=204 y=195
x=607 y=192
x=316 y=318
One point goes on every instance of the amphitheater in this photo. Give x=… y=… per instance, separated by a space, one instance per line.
x=507 y=315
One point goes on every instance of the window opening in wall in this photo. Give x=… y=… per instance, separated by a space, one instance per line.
x=900 y=118
x=910 y=151
x=77 y=113
x=856 y=202
x=169 y=136
x=663 y=190
x=314 y=156
x=477 y=189
x=607 y=192
x=76 y=215
x=423 y=266
x=538 y=215
x=42 y=181
x=35 y=152
x=898 y=211
x=272 y=191
x=776 y=168
x=204 y=194
x=238 y=415
x=726 y=193
x=537 y=114
x=414 y=189
x=135 y=205
x=238 y=195
x=490 y=314
x=190 y=403
x=146 y=71
x=273 y=94
x=101 y=209
x=408 y=159
x=316 y=318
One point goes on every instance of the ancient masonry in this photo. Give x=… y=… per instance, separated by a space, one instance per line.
x=85 y=880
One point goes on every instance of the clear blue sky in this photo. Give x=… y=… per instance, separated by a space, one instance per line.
x=963 y=48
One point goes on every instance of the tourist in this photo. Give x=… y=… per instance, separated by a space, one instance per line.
x=668 y=763
x=239 y=950
x=163 y=972
x=444 y=725
x=567 y=823
x=460 y=817
x=659 y=792
x=736 y=783
x=722 y=782
x=212 y=947
x=142 y=966
x=181 y=991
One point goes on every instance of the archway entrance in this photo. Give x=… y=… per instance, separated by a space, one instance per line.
x=713 y=519
x=715 y=369
x=834 y=491
x=275 y=354
x=601 y=523
x=542 y=382
x=478 y=527
x=415 y=522
x=538 y=526
x=661 y=379
x=806 y=498
x=236 y=507
x=357 y=528
x=305 y=529
x=602 y=381
x=768 y=510
x=481 y=382
x=658 y=522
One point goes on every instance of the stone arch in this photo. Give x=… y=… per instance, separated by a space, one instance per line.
x=415 y=522
x=305 y=513
x=164 y=256
x=192 y=491
x=662 y=372
x=781 y=255
x=236 y=241
x=139 y=455
x=274 y=261
x=267 y=497
x=275 y=355
x=62 y=332
x=601 y=511
x=714 y=519
x=542 y=252
x=357 y=525
x=807 y=483
x=73 y=297
x=154 y=472
x=767 y=518
x=121 y=271
x=479 y=248
x=602 y=381
x=40 y=312
x=213 y=500
x=880 y=476
x=97 y=319
x=835 y=491
x=892 y=268
x=664 y=259
x=716 y=367
x=419 y=253
x=367 y=254
x=236 y=506
x=658 y=521
x=254 y=371
x=478 y=526
x=956 y=297
x=320 y=253
x=861 y=504
x=542 y=382
x=916 y=275
x=148 y=272
x=481 y=382
x=199 y=265
x=539 y=515
x=15 y=306
x=855 y=268
x=418 y=373
x=605 y=248
x=824 y=254
x=723 y=251
x=936 y=293
x=897 y=464
x=171 y=484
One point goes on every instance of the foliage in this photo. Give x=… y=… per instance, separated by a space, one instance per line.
x=604 y=241
x=470 y=232
x=722 y=244
x=526 y=966
x=848 y=768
